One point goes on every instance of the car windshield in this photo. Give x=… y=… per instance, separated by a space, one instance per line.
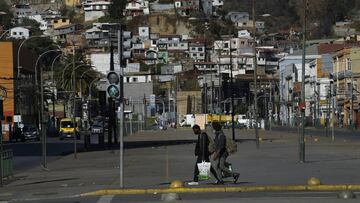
x=67 y=124
x=29 y=128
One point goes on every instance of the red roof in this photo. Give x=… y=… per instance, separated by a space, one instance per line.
x=329 y=48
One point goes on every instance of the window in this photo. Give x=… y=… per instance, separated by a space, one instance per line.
x=200 y=49
x=127 y=79
x=349 y=64
x=64 y=20
x=193 y=49
x=135 y=79
x=194 y=55
x=55 y=21
x=21 y=33
x=201 y=54
x=14 y=33
x=143 y=30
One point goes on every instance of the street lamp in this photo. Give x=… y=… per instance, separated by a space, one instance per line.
x=3 y=34
x=53 y=85
x=18 y=62
x=41 y=113
x=89 y=96
x=81 y=77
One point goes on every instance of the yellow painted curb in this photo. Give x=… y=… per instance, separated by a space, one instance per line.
x=326 y=187
x=269 y=188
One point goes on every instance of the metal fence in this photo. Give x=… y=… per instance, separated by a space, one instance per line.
x=7 y=163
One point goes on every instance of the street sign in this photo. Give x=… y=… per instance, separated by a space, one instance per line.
x=17 y=118
x=152 y=99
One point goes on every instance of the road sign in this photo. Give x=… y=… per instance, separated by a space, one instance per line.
x=152 y=99
x=17 y=118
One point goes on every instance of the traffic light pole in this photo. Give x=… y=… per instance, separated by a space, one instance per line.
x=121 y=112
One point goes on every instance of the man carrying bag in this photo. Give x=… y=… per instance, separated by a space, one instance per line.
x=203 y=160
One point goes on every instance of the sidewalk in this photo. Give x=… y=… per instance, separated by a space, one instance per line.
x=275 y=163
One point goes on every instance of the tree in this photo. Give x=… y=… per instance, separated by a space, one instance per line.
x=116 y=9
x=64 y=76
x=32 y=25
x=5 y=18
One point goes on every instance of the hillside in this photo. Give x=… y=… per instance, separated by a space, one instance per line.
x=322 y=14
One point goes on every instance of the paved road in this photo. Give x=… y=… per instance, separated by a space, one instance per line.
x=281 y=197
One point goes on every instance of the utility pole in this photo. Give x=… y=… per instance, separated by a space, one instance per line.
x=351 y=101
x=255 y=78
x=271 y=107
x=74 y=102
x=232 y=95
x=302 y=103
x=333 y=108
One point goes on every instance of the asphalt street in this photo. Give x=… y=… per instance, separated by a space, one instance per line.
x=298 y=197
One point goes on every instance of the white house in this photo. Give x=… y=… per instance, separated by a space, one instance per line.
x=19 y=33
x=144 y=33
x=95 y=9
x=44 y=25
x=137 y=8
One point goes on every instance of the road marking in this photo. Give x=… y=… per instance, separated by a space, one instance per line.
x=106 y=199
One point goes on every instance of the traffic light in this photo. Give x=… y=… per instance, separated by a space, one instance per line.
x=125 y=46
x=113 y=89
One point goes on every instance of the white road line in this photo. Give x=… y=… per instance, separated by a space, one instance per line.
x=106 y=199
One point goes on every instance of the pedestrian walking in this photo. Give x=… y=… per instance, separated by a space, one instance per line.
x=202 y=153
x=221 y=153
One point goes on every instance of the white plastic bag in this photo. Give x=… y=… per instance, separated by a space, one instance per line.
x=204 y=170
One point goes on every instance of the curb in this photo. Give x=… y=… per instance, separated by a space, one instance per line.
x=270 y=188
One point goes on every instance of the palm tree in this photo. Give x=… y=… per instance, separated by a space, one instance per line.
x=64 y=73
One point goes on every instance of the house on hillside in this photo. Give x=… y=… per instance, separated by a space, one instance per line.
x=197 y=50
x=136 y=8
x=19 y=33
x=98 y=35
x=94 y=9
x=185 y=7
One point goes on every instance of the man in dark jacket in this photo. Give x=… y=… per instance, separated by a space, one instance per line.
x=221 y=153
x=202 y=153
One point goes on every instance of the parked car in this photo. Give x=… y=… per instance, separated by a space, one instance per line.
x=97 y=128
x=30 y=132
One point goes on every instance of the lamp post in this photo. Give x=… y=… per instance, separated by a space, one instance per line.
x=89 y=96
x=53 y=85
x=3 y=34
x=41 y=112
x=18 y=63
x=81 y=77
